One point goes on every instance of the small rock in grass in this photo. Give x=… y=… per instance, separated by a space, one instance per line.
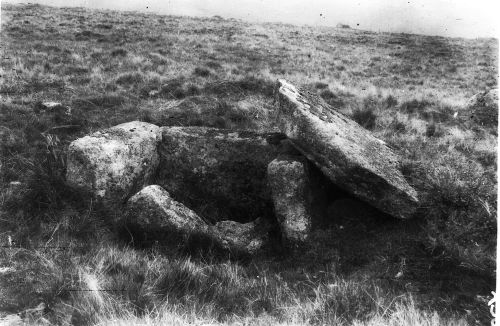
x=248 y=237
x=54 y=107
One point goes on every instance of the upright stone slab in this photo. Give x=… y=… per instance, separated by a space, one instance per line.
x=348 y=154
x=291 y=190
x=114 y=163
x=220 y=174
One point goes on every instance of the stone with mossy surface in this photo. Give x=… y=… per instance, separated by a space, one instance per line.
x=159 y=218
x=291 y=190
x=349 y=155
x=114 y=163
x=249 y=238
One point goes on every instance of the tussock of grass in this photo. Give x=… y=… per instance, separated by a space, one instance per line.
x=154 y=289
x=202 y=72
x=408 y=314
x=320 y=85
x=365 y=117
x=87 y=35
x=242 y=87
x=213 y=65
x=253 y=84
x=129 y=79
x=414 y=106
x=97 y=102
x=331 y=98
x=433 y=130
x=459 y=205
x=75 y=70
x=390 y=101
x=119 y=52
x=204 y=111
x=397 y=125
x=403 y=314
x=487 y=159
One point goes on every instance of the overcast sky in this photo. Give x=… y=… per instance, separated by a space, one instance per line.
x=473 y=18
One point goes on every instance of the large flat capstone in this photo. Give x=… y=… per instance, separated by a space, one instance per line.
x=348 y=154
x=220 y=174
x=114 y=163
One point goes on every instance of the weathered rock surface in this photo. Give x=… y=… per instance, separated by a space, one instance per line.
x=483 y=108
x=152 y=208
x=220 y=174
x=289 y=181
x=248 y=237
x=348 y=154
x=11 y=320
x=165 y=220
x=113 y=164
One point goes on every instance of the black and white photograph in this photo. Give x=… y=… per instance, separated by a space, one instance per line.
x=251 y=162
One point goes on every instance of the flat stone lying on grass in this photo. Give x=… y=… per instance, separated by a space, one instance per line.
x=348 y=154
x=113 y=164
x=289 y=181
x=167 y=221
x=220 y=174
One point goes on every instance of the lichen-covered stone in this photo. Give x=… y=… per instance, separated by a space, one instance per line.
x=291 y=191
x=220 y=174
x=114 y=163
x=152 y=208
x=248 y=238
x=345 y=152
x=169 y=222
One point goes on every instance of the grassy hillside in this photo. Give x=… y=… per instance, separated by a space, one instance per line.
x=112 y=67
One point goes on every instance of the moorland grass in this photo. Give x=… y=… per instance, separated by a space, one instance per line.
x=409 y=90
